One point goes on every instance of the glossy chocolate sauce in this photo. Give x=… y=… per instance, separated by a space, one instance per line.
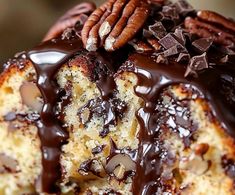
x=215 y=83
x=47 y=58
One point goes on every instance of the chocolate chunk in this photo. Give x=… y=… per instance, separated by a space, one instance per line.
x=202 y=45
x=93 y=166
x=7 y=164
x=169 y=41
x=197 y=63
x=174 y=50
x=183 y=57
x=11 y=116
x=170 y=12
x=229 y=167
x=158 y=30
x=179 y=33
x=183 y=7
x=97 y=149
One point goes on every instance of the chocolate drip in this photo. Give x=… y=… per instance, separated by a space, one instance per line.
x=47 y=59
x=152 y=79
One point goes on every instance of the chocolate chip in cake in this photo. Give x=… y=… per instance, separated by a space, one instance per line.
x=11 y=116
x=229 y=166
x=97 y=149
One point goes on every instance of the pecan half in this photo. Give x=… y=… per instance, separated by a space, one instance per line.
x=114 y=24
x=207 y=24
x=69 y=19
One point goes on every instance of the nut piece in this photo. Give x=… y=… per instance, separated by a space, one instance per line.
x=118 y=163
x=114 y=24
x=69 y=19
x=30 y=96
x=213 y=17
x=119 y=172
x=7 y=164
x=141 y=46
x=201 y=149
x=207 y=30
x=194 y=164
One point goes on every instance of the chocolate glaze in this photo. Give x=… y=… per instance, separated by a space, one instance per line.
x=152 y=79
x=47 y=59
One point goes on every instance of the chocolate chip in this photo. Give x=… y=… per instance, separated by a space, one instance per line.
x=196 y=63
x=158 y=30
x=229 y=166
x=202 y=45
x=11 y=116
x=97 y=149
x=183 y=57
x=183 y=7
x=92 y=165
x=169 y=41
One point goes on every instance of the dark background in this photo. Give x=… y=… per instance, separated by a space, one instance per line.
x=23 y=23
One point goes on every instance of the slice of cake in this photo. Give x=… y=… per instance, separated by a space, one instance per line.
x=134 y=97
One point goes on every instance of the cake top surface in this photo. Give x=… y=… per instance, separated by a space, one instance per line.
x=163 y=43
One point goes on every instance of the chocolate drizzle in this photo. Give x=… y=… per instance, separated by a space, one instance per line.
x=152 y=79
x=47 y=58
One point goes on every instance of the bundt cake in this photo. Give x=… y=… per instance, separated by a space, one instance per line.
x=134 y=97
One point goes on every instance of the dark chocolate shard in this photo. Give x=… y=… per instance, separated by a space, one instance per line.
x=11 y=116
x=197 y=63
x=97 y=149
x=202 y=45
x=158 y=30
x=174 y=50
x=183 y=58
x=169 y=41
x=183 y=7
x=179 y=33
x=170 y=12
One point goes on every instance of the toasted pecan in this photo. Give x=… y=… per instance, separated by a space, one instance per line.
x=114 y=24
x=69 y=19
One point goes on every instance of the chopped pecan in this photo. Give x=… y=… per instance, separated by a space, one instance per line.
x=114 y=24
x=69 y=19
x=204 y=26
x=141 y=46
x=7 y=164
x=213 y=17
x=154 y=43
